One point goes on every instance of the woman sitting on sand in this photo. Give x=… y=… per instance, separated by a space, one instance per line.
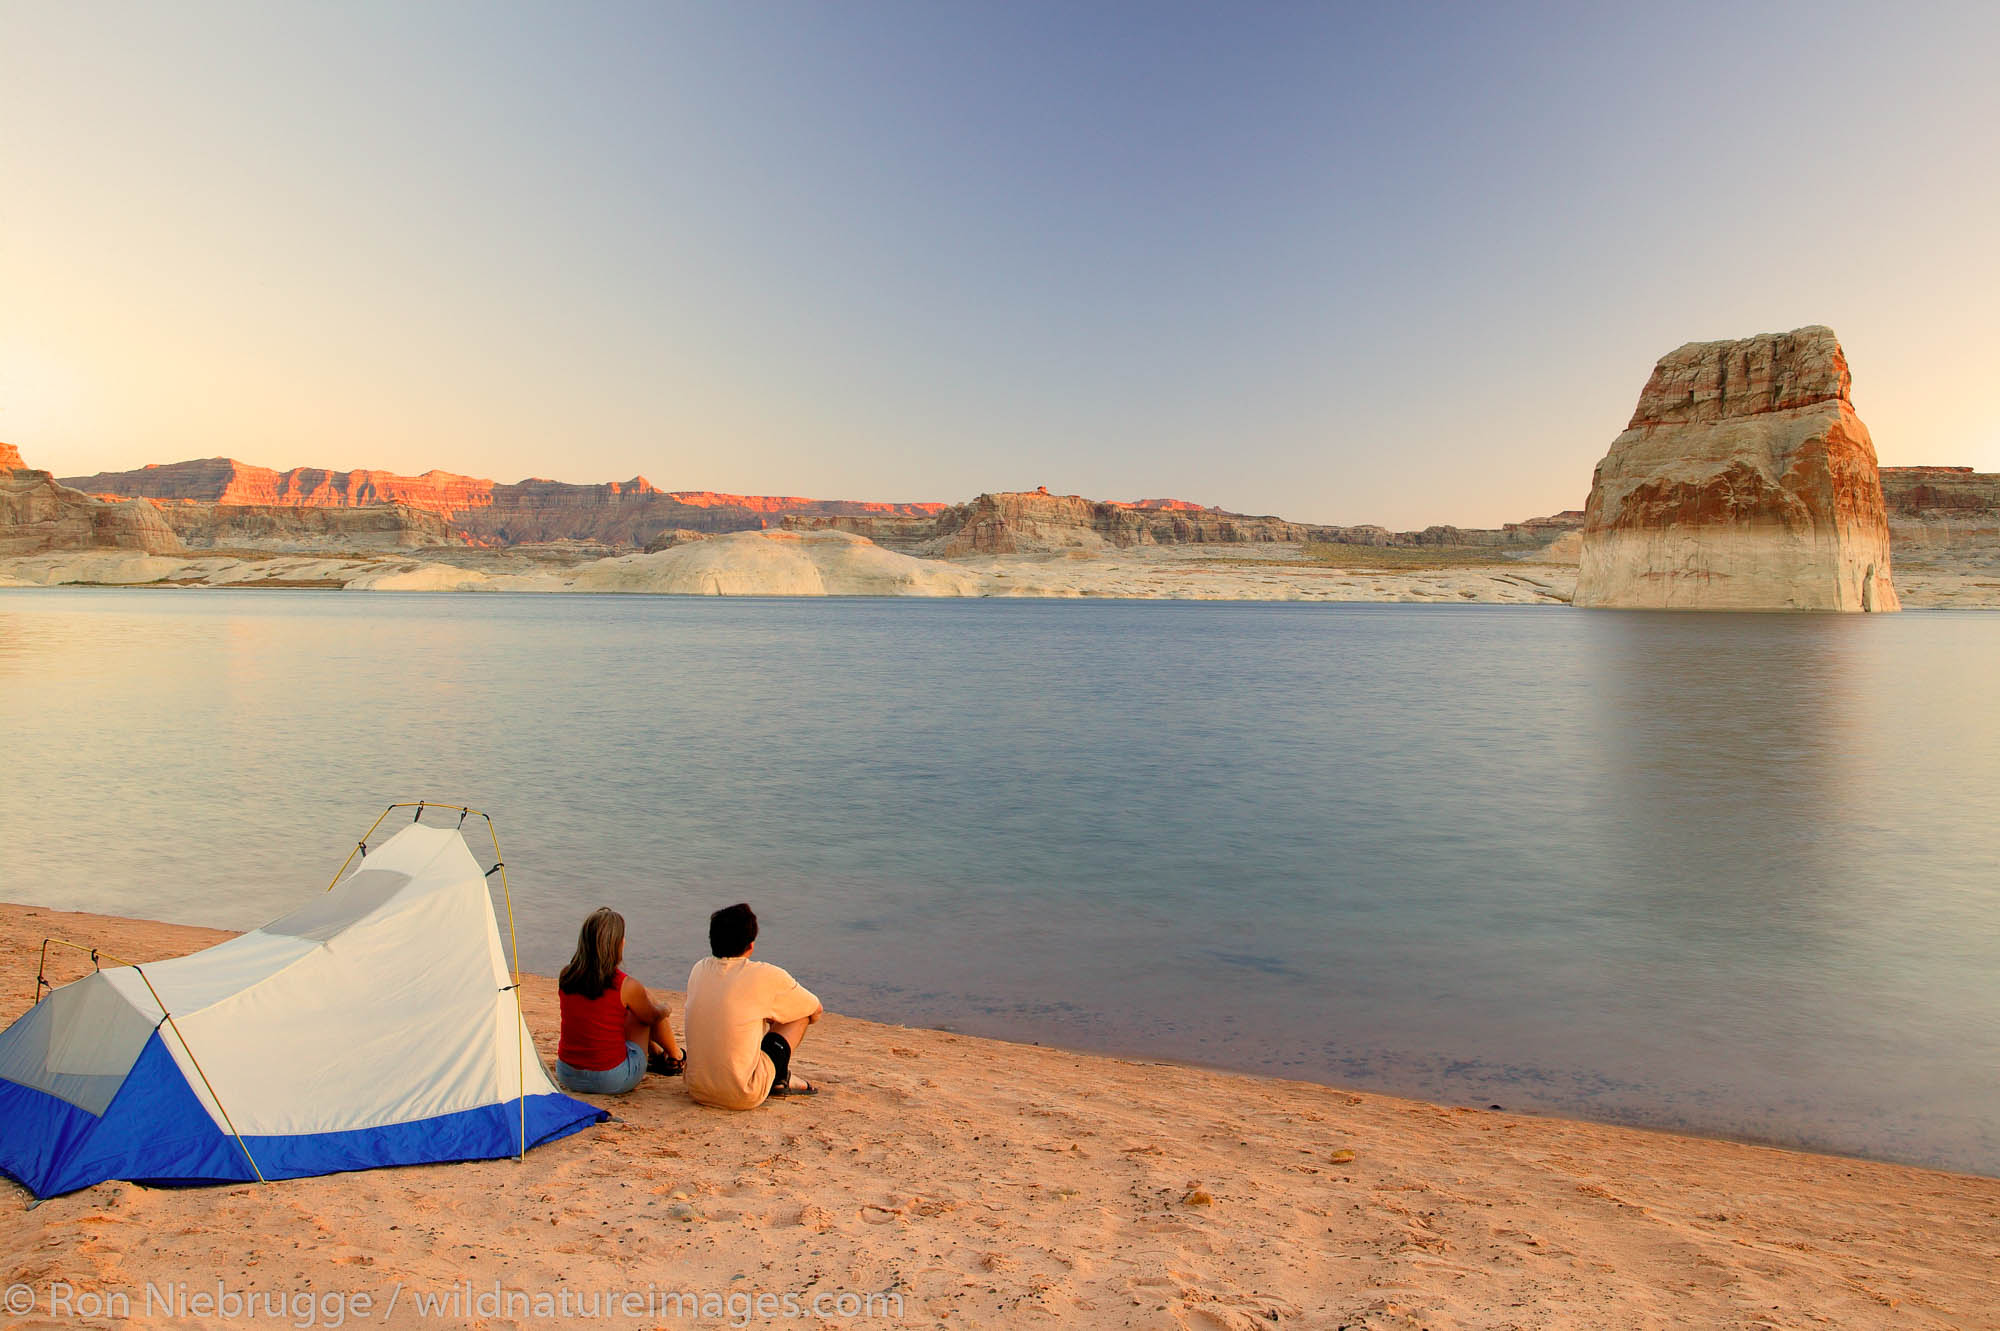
x=612 y=1032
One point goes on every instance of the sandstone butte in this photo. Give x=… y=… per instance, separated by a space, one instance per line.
x=1744 y=482
x=38 y=514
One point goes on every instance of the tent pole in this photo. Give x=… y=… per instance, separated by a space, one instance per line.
x=245 y=1146
x=158 y=1002
x=361 y=846
x=42 y=972
x=514 y=949
x=513 y=938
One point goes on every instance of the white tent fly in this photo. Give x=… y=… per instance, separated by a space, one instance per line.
x=376 y=1025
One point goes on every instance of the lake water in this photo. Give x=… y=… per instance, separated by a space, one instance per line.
x=1735 y=874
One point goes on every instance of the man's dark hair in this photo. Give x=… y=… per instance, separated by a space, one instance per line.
x=732 y=930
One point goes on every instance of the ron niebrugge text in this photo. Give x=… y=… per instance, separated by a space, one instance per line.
x=454 y=1303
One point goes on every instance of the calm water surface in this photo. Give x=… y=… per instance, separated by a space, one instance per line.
x=1729 y=873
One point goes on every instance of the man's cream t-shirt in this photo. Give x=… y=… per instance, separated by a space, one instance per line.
x=729 y=1000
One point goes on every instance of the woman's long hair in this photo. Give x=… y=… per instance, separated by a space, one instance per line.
x=590 y=971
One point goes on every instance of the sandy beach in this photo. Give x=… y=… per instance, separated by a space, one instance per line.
x=980 y=1183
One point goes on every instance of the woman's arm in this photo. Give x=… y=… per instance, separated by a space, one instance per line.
x=640 y=1003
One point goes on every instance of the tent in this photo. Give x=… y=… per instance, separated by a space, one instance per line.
x=377 y=1025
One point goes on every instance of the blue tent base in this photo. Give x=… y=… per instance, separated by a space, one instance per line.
x=155 y=1131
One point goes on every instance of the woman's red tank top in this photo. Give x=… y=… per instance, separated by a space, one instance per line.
x=593 y=1029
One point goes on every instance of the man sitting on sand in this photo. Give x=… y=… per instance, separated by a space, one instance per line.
x=744 y=1019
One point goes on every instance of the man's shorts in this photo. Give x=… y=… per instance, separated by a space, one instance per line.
x=781 y=1057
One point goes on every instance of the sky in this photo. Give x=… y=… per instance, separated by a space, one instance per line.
x=1381 y=263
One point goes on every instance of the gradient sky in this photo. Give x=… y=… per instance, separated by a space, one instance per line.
x=1383 y=263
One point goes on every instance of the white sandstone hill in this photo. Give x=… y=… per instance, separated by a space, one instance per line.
x=777 y=563
x=750 y=563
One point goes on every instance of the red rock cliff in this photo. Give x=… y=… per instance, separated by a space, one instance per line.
x=615 y=513
x=38 y=514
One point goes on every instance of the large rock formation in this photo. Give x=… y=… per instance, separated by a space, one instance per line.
x=1744 y=482
x=38 y=514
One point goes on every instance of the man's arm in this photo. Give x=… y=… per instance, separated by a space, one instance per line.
x=794 y=1002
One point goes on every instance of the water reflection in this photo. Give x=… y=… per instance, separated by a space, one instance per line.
x=1730 y=748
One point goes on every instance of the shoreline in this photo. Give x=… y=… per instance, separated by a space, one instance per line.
x=990 y=1182
x=1132 y=1056
x=1970 y=605
x=830 y=565
x=334 y=585
x=1231 y=577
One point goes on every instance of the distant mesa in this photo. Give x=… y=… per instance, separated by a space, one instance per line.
x=1027 y=522
x=1744 y=482
x=1037 y=522
x=1171 y=506
x=615 y=513
x=221 y=502
x=1940 y=492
